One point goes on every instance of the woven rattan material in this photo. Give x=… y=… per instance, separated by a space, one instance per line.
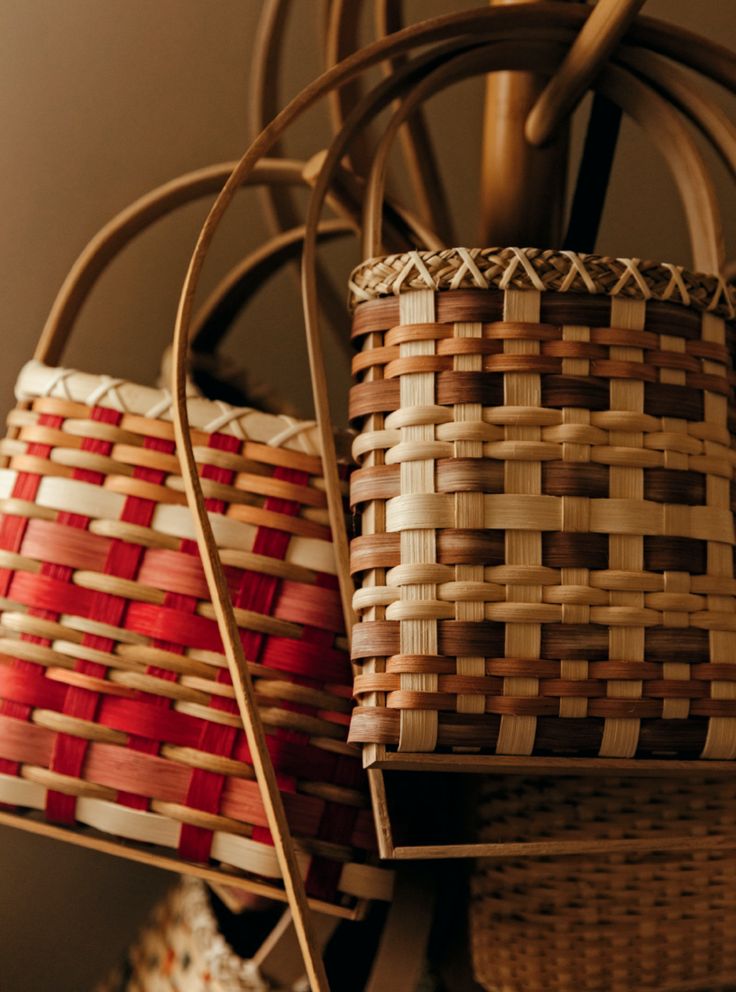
x=605 y=923
x=545 y=485
x=116 y=706
x=181 y=950
x=544 y=271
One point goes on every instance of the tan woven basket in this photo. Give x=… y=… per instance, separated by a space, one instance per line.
x=605 y=922
x=552 y=506
x=545 y=460
x=118 y=719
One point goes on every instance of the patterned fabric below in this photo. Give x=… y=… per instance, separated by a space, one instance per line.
x=181 y=950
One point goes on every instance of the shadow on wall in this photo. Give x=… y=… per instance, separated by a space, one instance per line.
x=50 y=884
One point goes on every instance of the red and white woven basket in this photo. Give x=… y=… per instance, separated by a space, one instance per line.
x=116 y=707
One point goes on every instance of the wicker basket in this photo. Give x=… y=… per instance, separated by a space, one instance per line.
x=611 y=922
x=545 y=559
x=117 y=711
x=551 y=508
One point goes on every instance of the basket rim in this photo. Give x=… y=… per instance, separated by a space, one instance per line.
x=36 y=380
x=544 y=270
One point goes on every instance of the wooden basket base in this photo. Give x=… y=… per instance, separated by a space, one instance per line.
x=453 y=839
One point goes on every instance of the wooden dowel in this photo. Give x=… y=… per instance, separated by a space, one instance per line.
x=522 y=187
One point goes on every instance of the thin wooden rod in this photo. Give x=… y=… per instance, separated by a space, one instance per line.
x=281 y=209
x=417 y=149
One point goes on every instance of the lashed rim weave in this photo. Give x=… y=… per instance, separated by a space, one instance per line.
x=542 y=270
x=246 y=423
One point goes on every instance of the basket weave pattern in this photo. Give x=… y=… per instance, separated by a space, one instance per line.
x=545 y=271
x=116 y=705
x=605 y=923
x=546 y=555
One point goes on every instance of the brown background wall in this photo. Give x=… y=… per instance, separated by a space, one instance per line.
x=100 y=101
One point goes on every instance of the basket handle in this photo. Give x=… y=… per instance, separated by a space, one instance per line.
x=716 y=62
x=652 y=112
x=380 y=97
x=137 y=217
x=240 y=283
x=420 y=162
x=238 y=666
x=600 y=35
x=280 y=206
x=235 y=290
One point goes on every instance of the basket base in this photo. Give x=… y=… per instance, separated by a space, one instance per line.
x=395 y=795
x=378 y=756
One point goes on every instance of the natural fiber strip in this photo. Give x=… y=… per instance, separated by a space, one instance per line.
x=418 y=634
x=626 y=551
x=523 y=547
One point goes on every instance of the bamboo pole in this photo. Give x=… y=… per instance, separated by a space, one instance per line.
x=522 y=187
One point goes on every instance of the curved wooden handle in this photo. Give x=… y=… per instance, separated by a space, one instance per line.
x=423 y=174
x=280 y=206
x=599 y=36
x=716 y=62
x=341 y=40
x=653 y=113
x=406 y=76
x=675 y=86
x=242 y=682
x=420 y=160
x=380 y=97
x=234 y=653
x=233 y=293
x=138 y=216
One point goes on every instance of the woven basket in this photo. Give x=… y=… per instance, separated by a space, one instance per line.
x=605 y=923
x=116 y=706
x=546 y=556
x=552 y=506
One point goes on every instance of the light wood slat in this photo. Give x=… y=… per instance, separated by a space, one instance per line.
x=523 y=640
x=418 y=729
x=621 y=736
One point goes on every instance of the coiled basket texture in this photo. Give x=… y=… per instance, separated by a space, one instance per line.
x=606 y=922
x=117 y=710
x=181 y=949
x=545 y=560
